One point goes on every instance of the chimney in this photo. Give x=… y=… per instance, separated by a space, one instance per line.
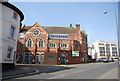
x=78 y=35
x=77 y=26
x=70 y=25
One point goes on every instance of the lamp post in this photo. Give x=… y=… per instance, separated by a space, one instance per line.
x=116 y=20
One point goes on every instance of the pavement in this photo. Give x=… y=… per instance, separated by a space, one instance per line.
x=47 y=71
x=18 y=70
x=34 y=68
x=31 y=69
x=77 y=71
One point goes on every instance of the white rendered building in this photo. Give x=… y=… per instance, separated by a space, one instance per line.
x=10 y=21
x=118 y=32
x=91 y=51
x=105 y=50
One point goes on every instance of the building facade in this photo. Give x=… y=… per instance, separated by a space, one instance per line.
x=91 y=51
x=52 y=45
x=105 y=51
x=118 y=27
x=11 y=18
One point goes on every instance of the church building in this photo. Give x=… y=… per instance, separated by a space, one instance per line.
x=52 y=45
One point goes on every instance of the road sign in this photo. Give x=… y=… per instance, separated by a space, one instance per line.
x=75 y=53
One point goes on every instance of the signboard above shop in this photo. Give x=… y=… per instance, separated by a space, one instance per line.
x=75 y=53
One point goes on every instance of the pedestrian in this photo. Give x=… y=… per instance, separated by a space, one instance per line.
x=66 y=61
x=33 y=61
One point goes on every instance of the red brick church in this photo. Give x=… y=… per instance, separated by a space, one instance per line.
x=52 y=45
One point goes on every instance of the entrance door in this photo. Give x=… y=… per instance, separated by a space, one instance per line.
x=63 y=60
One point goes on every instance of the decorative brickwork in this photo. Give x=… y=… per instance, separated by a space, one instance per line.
x=64 y=40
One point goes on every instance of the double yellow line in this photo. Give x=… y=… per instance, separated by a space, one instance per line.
x=23 y=74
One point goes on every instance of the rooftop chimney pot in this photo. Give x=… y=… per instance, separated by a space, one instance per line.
x=70 y=25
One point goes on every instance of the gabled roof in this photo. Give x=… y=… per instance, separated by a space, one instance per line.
x=60 y=30
x=25 y=29
x=51 y=30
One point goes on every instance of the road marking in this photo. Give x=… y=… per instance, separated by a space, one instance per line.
x=15 y=76
x=81 y=70
x=88 y=69
x=104 y=76
x=56 y=76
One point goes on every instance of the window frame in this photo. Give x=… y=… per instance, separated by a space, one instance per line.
x=36 y=30
x=15 y=15
x=28 y=42
x=52 y=44
x=12 y=32
x=64 y=45
x=9 y=55
x=113 y=44
x=39 y=43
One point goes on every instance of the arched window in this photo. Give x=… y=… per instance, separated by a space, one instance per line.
x=63 y=45
x=29 y=43
x=52 y=45
x=41 y=43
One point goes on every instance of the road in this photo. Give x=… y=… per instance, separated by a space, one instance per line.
x=81 y=71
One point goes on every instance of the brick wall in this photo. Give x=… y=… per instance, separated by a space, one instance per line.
x=51 y=55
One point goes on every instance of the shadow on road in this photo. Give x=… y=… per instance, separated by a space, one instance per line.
x=46 y=68
x=26 y=70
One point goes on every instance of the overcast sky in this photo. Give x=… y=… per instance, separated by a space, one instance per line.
x=89 y=15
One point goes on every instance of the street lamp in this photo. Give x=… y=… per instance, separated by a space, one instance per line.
x=105 y=12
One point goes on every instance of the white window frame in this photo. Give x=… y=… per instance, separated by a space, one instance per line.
x=64 y=45
x=51 y=45
x=39 y=43
x=36 y=30
x=12 y=32
x=8 y=57
x=31 y=42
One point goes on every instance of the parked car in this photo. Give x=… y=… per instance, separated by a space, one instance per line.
x=115 y=59
x=101 y=60
x=111 y=60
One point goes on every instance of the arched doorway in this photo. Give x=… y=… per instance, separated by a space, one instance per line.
x=28 y=58
x=64 y=58
x=39 y=58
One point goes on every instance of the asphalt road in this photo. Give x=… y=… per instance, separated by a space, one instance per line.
x=79 y=71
